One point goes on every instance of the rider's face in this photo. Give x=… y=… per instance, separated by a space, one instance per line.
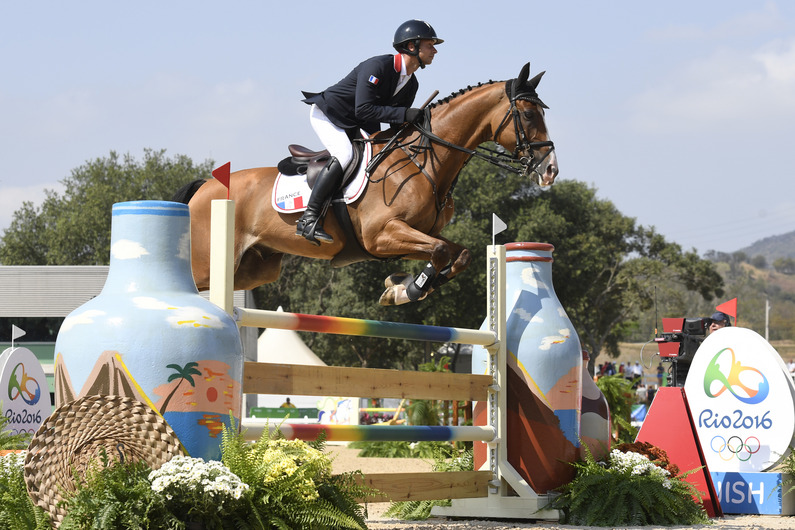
x=427 y=51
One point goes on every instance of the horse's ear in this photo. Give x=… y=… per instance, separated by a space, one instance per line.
x=533 y=83
x=523 y=74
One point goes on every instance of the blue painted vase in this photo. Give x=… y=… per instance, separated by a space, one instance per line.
x=150 y=336
x=544 y=380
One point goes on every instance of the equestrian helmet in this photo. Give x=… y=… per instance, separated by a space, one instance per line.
x=413 y=31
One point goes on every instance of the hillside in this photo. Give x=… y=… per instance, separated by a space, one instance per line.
x=772 y=248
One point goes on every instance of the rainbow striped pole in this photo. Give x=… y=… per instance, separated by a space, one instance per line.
x=360 y=327
x=370 y=433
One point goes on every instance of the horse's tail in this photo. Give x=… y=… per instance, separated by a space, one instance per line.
x=186 y=192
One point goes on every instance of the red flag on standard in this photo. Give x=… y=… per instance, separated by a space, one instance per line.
x=221 y=174
x=730 y=307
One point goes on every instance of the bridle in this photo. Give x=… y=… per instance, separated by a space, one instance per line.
x=526 y=165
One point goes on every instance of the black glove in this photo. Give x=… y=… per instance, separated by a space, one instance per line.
x=414 y=115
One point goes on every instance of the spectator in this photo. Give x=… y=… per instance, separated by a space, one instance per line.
x=641 y=394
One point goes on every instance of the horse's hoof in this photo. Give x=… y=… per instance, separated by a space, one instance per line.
x=395 y=295
x=388 y=297
x=396 y=278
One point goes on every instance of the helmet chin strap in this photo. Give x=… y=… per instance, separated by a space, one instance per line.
x=416 y=52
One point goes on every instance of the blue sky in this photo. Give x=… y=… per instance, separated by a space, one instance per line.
x=680 y=113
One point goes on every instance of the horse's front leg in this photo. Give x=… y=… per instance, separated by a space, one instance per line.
x=446 y=259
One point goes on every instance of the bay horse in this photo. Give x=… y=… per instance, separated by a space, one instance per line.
x=407 y=201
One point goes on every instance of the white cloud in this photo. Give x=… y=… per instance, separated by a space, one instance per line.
x=86 y=317
x=126 y=249
x=152 y=304
x=183 y=246
x=185 y=316
x=745 y=91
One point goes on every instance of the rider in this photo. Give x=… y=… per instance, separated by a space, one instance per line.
x=379 y=90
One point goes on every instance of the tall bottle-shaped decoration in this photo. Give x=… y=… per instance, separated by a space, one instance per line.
x=150 y=336
x=544 y=379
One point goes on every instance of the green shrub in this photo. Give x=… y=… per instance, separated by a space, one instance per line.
x=115 y=495
x=627 y=490
x=17 y=511
x=291 y=485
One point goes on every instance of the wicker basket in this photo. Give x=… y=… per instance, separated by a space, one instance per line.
x=74 y=436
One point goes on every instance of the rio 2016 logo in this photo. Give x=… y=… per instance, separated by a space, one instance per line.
x=732 y=381
x=20 y=385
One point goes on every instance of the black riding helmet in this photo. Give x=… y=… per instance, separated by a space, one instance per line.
x=413 y=31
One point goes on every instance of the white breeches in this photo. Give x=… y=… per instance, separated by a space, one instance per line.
x=333 y=138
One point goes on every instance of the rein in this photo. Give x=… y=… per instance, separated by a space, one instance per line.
x=527 y=164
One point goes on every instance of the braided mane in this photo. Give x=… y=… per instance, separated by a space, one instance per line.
x=452 y=96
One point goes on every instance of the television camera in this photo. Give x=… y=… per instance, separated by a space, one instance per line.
x=680 y=339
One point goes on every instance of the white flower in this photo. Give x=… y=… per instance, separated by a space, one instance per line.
x=12 y=463
x=635 y=464
x=183 y=476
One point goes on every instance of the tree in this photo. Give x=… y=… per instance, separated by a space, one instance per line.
x=606 y=267
x=784 y=265
x=74 y=228
x=759 y=261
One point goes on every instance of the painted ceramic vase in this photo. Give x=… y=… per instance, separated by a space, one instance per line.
x=150 y=336
x=544 y=380
x=595 y=417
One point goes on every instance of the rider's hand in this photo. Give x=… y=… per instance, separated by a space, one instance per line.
x=413 y=115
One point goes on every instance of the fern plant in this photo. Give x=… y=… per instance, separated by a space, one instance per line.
x=421 y=509
x=17 y=511
x=291 y=485
x=628 y=490
x=119 y=496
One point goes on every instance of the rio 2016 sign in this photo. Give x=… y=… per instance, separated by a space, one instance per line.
x=24 y=393
x=742 y=400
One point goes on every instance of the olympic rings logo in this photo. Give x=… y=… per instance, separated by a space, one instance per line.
x=735 y=447
x=21 y=385
x=732 y=382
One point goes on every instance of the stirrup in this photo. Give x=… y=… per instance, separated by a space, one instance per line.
x=309 y=230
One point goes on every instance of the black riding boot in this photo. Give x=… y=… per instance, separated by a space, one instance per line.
x=310 y=226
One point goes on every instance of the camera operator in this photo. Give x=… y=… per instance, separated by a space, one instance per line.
x=719 y=320
x=694 y=332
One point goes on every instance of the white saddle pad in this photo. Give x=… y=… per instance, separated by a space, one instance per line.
x=291 y=192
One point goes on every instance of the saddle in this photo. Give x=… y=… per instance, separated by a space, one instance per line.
x=304 y=161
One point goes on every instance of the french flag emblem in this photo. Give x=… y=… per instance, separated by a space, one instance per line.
x=291 y=204
x=373 y=79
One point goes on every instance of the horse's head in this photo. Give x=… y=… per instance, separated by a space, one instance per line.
x=528 y=137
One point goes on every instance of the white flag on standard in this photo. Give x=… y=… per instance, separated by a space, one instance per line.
x=497 y=226
x=16 y=332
